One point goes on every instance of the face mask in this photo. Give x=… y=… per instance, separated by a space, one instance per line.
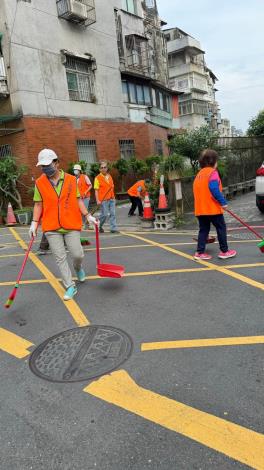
x=49 y=170
x=76 y=172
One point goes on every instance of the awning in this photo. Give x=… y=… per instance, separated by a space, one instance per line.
x=9 y=117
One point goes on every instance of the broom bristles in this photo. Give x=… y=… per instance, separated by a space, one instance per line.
x=11 y=298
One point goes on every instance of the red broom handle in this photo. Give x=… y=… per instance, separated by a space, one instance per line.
x=97 y=244
x=25 y=260
x=243 y=223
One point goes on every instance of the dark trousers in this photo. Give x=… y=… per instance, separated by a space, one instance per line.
x=135 y=203
x=204 y=228
x=44 y=244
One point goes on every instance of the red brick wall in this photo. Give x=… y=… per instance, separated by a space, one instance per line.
x=60 y=135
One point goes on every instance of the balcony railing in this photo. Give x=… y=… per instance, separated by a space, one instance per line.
x=185 y=42
x=136 y=55
x=77 y=11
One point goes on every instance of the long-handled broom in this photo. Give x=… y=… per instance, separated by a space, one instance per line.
x=260 y=244
x=13 y=294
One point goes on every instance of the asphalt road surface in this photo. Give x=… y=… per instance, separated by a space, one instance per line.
x=190 y=395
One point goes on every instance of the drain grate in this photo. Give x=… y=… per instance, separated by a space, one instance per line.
x=81 y=354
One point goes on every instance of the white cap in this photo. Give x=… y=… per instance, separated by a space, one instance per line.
x=77 y=167
x=46 y=157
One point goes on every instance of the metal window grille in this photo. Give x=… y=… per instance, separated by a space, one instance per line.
x=80 y=78
x=87 y=151
x=5 y=150
x=127 y=149
x=158 y=147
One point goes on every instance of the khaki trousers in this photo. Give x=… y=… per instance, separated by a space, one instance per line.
x=73 y=243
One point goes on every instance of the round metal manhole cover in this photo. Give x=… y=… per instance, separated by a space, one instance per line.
x=81 y=354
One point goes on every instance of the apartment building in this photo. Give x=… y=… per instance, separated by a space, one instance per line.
x=88 y=78
x=189 y=74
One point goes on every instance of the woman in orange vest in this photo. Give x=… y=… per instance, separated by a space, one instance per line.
x=105 y=197
x=136 y=193
x=84 y=185
x=209 y=205
x=57 y=201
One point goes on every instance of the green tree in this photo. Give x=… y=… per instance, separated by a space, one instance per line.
x=256 y=125
x=122 y=167
x=191 y=143
x=10 y=174
x=137 y=167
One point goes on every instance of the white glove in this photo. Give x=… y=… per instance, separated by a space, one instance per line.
x=33 y=229
x=92 y=220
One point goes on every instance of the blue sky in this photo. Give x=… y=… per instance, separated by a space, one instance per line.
x=232 y=34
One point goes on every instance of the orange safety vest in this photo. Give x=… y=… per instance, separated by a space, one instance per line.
x=133 y=191
x=59 y=211
x=204 y=202
x=106 y=187
x=83 y=186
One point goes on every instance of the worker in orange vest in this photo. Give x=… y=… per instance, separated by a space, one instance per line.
x=209 y=205
x=105 y=197
x=57 y=200
x=84 y=185
x=136 y=193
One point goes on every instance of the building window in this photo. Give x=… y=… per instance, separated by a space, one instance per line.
x=136 y=93
x=127 y=149
x=87 y=151
x=5 y=151
x=130 y=6
x=158 y=147
x=193 y=107
x=162 y=100
x=80 y=79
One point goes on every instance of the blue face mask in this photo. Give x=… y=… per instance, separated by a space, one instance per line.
x=49 y=170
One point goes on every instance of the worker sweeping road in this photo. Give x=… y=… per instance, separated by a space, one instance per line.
x=84 y=186
x=209 y=205
x=136 y=193
x=105 y=197
x=57 y=200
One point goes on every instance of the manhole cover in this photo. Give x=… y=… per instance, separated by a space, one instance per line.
x=81 y=354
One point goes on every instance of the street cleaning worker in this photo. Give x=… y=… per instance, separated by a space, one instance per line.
x=57 y=200
x=84 y=185
x=136 y=193
x=209 y=205
x=105 y=197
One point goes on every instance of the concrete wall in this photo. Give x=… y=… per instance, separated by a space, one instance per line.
x=37 y=80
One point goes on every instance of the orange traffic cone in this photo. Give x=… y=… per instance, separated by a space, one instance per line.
x=10 y=219
x=148 y=213
x=162 y=198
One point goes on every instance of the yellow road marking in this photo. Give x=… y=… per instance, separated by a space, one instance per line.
x=223 y=270
x=13 y=344
x=74 y=309
x=235 y=441
x=202 y=343
x=142 y=273
x=31 y=281
x=13 y=255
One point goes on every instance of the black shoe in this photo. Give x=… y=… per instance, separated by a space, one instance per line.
x=115 y=231
x=131 y=215
x=101 y=230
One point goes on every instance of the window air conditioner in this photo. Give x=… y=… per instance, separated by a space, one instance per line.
x=77 y=10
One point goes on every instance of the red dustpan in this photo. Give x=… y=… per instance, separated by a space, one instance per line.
x=106 y=270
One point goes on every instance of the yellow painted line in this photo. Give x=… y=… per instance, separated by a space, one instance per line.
x=31 y=281
x=202 y=343
x=239 y=443
x=223 y=270
x=142 y=273
x=13 y=255
x=74 y=309
x=13 y=344
x=248 y=265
